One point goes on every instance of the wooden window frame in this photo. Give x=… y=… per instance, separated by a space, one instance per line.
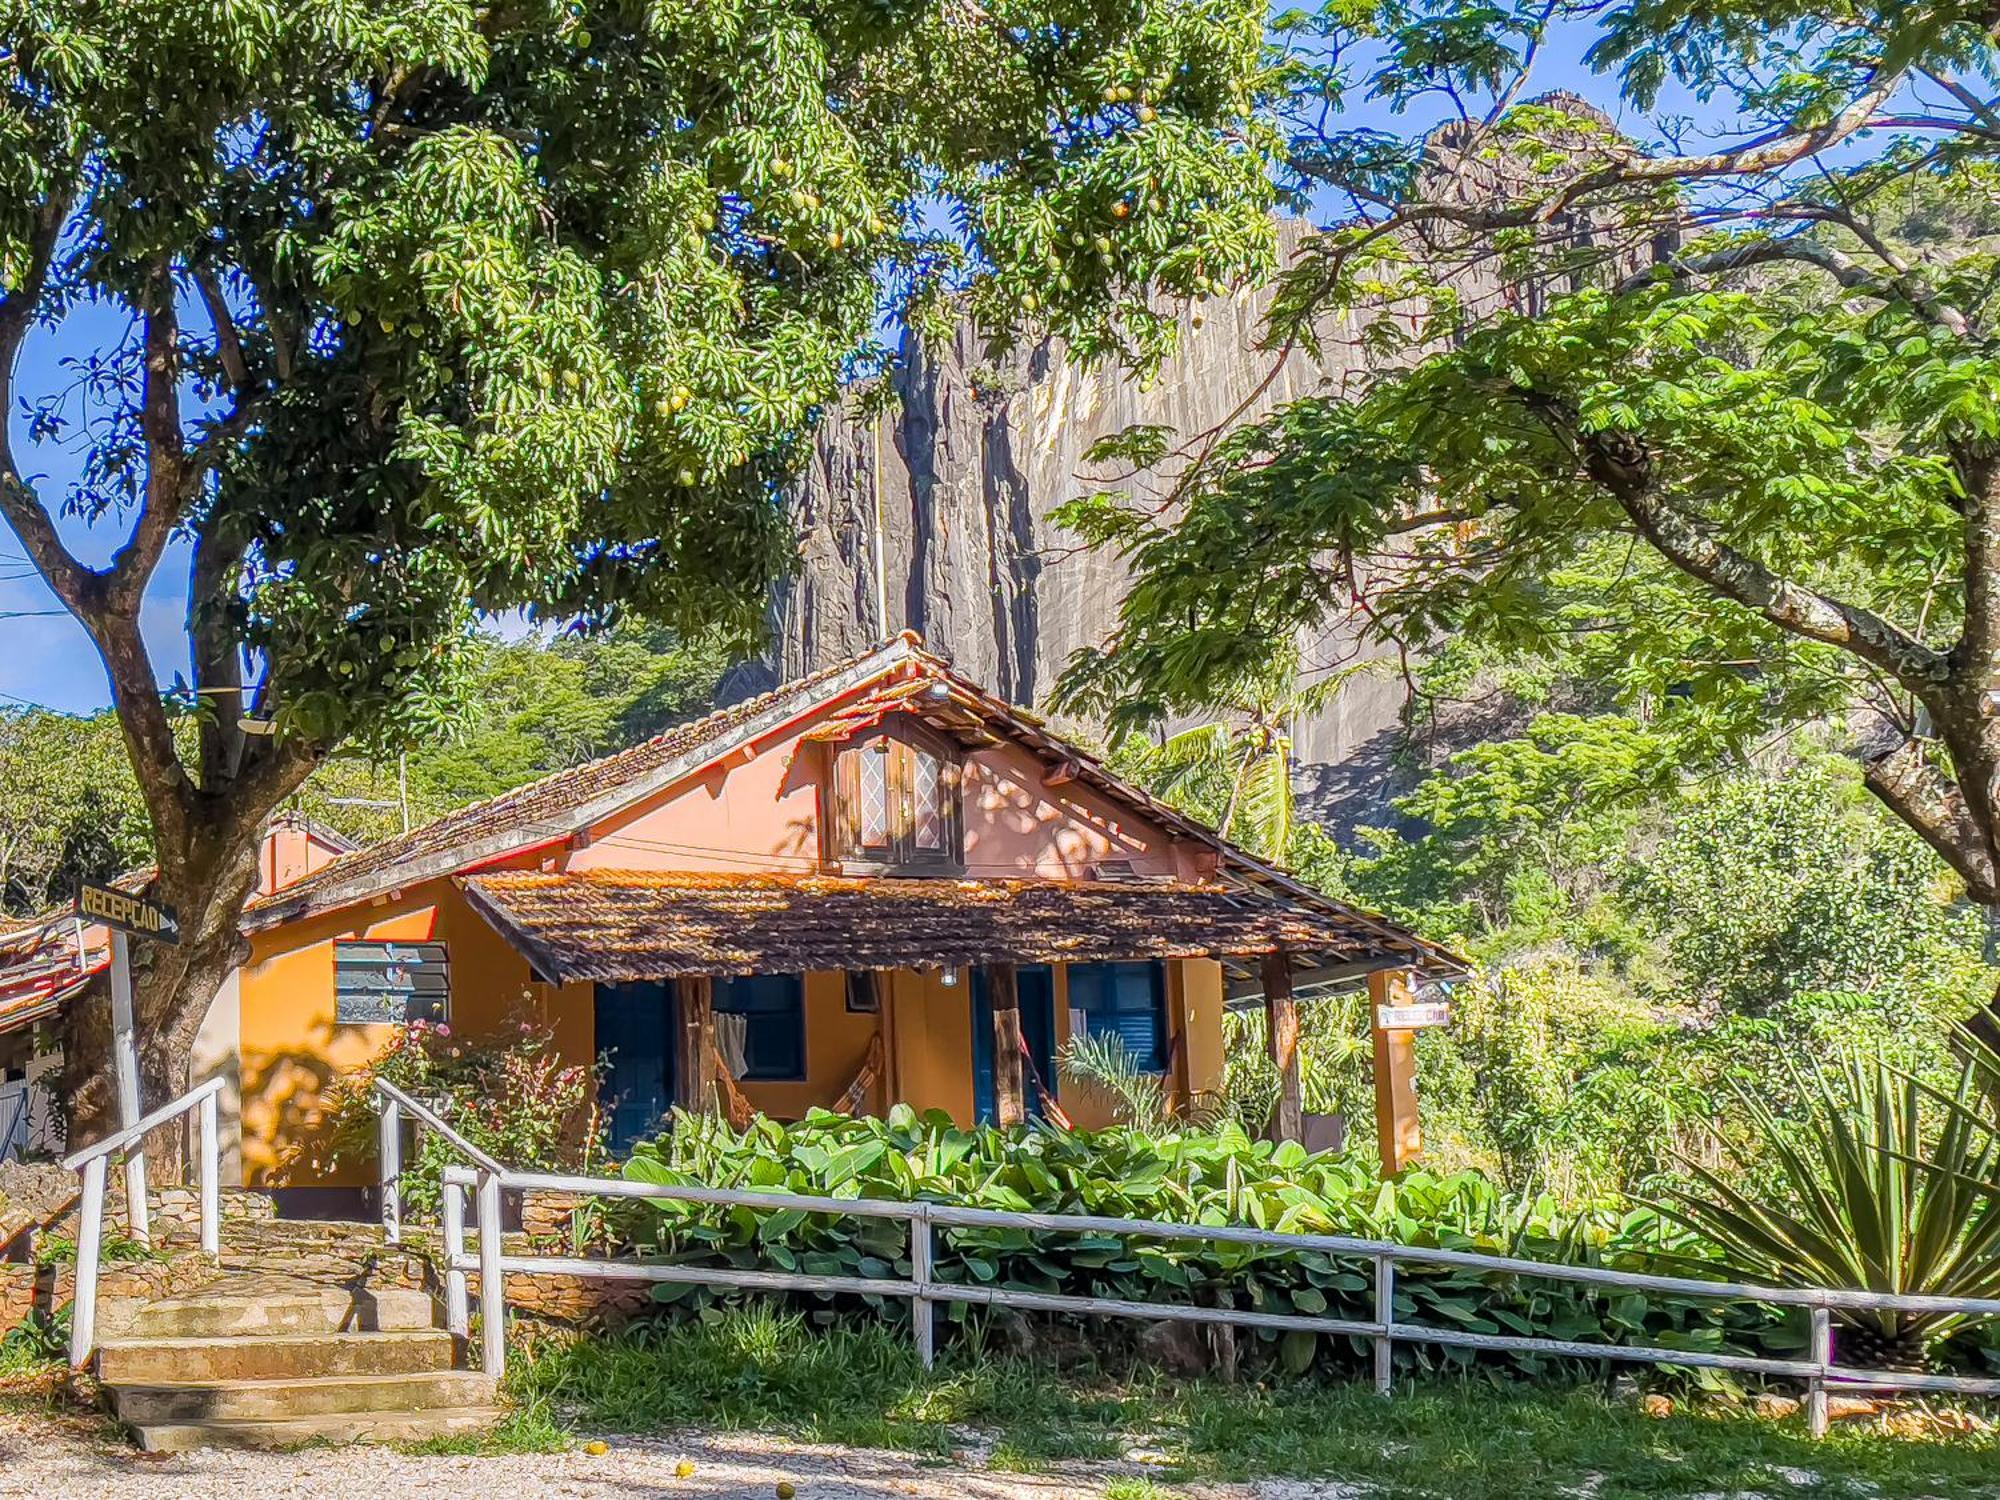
x=902 y=739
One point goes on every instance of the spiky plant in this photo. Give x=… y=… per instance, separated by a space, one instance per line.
x=1886 y=1184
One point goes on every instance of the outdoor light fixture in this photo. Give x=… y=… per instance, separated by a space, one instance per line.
x=948 y=977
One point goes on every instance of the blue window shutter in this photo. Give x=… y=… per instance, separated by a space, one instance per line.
x=1125 y=1000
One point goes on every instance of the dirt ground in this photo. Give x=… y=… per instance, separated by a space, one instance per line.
x=41 y=1458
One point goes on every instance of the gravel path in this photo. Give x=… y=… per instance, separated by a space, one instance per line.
x=40 y=1459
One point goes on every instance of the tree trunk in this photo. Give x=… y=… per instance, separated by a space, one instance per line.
x=172 y=989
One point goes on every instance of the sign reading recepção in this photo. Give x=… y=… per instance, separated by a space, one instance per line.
x=127 y=912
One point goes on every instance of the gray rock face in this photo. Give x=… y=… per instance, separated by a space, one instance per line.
x=934 y=514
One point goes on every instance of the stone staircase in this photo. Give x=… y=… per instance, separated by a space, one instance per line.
x=305 y=1333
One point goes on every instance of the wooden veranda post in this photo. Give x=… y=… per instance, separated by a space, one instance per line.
x=1003 y=985
x=1396 y=1128
x=1281 y=1028
x=696 y=1071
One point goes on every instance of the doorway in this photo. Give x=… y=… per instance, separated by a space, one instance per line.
x=635 y=1040
x=1037 y=987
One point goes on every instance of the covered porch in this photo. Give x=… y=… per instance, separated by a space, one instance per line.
x=739 y=993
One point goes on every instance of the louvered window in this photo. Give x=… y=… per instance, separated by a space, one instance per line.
x=895 y=801
x=1125 y=1000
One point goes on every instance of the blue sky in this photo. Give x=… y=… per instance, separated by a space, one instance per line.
x=45 y=658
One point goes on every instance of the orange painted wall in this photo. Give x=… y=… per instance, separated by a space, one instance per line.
x=293 y=1047
x=763 y=814
x=759 y=813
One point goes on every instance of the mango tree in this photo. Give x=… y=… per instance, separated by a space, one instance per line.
x=437 y=307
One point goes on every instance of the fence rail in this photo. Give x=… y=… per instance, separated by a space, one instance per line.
x=1819 y=1371
x=391 y=1105
x=94 y=1161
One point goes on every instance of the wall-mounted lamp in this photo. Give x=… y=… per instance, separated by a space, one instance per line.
x=948 y=977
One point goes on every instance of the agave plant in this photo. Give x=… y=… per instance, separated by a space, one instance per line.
x=1886 y=1185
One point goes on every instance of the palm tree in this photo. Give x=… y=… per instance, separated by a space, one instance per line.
x=1243 y=759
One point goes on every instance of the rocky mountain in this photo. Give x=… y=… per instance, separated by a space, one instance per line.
x=934 y=514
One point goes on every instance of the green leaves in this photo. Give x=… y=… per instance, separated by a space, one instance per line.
x=1886 y=1185
x=536 y=308
x=1178 y=1177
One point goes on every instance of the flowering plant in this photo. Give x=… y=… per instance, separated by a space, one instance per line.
x=510 y=1094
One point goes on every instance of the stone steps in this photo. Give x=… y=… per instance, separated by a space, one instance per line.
x=255 y=1309
x=169 y=1361
x=264 y=1357
x=347 y=1427
x=233 y=1401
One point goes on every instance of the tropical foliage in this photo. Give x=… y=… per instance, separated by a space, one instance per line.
x=1717 y=422
x=68 y=807
x=512 y=1097
x=1186 y=1177
x=1651 y=940
x=1884 y=1185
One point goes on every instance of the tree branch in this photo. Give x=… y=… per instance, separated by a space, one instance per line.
x=1798 y=250
x=1623 y=467
x=167 y=479
x=228 y=346
x=1906 y=781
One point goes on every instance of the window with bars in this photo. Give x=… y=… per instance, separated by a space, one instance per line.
x=895 y=799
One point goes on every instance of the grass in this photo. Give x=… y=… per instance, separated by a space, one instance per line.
x=759 y=1370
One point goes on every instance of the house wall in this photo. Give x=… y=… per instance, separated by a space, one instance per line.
x=294 y=1049
x=755 y=812
x=763 y=814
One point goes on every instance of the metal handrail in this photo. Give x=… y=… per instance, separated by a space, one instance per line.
x=393 y=1102
x=93 y=1162
x=1383 y=1330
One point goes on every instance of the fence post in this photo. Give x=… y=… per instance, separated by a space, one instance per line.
x=457 y=1316
x=492 y=1287
x=922 y=1321
x=1822 y=1356
x=211 y=1177
x=89 y=1240
x=392 y=1171
x=1385 y=1314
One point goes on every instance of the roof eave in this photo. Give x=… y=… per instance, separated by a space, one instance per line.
x=279 y=910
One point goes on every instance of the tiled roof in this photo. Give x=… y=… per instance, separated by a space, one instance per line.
x=541 y=809
x=613 y=925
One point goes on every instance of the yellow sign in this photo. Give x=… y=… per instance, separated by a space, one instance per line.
x=127 y=912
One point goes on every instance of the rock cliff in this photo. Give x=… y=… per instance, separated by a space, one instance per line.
x=954 y=482
x=934 y=514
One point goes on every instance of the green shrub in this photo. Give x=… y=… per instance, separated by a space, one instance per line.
x=509 y=1095
x=1209 y=1178
x=1887 y=1184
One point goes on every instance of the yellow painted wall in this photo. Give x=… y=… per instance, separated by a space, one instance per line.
x=836 y=1046
x=293 y=1047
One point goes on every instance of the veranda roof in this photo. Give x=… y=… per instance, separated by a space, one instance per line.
x=615 y=925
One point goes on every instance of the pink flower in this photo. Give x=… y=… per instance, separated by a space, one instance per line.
x=444 y=1030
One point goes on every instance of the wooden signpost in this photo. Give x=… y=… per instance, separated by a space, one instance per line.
x=1395 y=1017
x=128 y=916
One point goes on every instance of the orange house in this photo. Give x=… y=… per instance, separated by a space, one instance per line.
x=876 y=884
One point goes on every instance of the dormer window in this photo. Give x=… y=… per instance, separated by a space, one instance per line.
x=895 y=802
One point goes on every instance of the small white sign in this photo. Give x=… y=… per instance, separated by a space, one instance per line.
x=1412 y=1017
